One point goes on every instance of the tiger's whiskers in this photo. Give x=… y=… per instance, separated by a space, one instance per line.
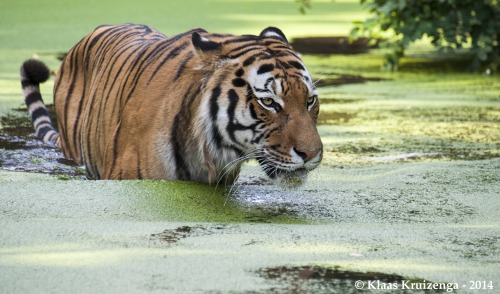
x=322 y=76
x=229 y=167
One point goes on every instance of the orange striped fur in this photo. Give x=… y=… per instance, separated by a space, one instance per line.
x=132 y=103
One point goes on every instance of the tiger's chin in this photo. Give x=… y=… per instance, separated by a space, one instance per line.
x=289 y=179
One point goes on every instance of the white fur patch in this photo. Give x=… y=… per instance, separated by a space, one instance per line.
x=30 y=89
x=35 y=105
x=42 y=120
x=48 y=135
x=259 y=81
x=272 y=34
x=314 y=162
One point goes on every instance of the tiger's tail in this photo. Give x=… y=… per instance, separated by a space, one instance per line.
x=34 y=72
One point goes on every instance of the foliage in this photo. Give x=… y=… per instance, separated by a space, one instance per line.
x=450 y=25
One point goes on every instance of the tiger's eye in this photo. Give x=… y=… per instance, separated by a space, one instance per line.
x=267 y=101
x=311 y=100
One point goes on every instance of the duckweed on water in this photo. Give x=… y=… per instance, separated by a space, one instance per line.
x=439 y=114
x=320 y=279
x=188 y=201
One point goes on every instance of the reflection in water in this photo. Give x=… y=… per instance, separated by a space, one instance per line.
x=20 y=150
x=316 y=279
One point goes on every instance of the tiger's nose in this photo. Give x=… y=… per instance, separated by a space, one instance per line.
x=307 y=154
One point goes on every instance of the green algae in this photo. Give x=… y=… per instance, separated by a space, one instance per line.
x=435 y=114
x=433 y=220
x=152 y=200
x=186 y=201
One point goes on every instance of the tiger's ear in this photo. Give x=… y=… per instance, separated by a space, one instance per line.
x=272 y=32
x=209 y=51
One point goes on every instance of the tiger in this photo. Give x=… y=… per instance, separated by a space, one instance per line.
x=132 y=103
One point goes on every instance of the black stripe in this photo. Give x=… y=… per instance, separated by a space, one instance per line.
x=296 y=64
x=41 y=132
x=139 y=171
x=108 y=44
x=39 y=112
x=53 y=137
x=268 y=81
x=238 y=82
x=282 y=48
x=115 y=149
x=75 y=70
x=157 y=52
x=249 y=60
x=43 y=123
x=107 y=34
x=181 y=139
x=214 y=107
x=173 y=53
x=32 y=98
x=181 y=169
x=265 y=68
x=114 y=57
x=116 y=61
x=261 y=56
x=282 y=64
x=214 y=110
x=243 y=52
x=273 y=41
x=233 y=126
x=26 y=83
x=259 y=137
x=288 y=51
x=219 y=35
x=253 y=113
x=244 y=46
x=279 y=153
x=277 y=44
x=260 y=90
x=131 y=73
x=182 y=65
x=241 y=39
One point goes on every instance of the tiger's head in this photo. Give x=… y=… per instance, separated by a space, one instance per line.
x=260 y=102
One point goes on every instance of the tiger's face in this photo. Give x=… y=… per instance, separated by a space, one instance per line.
x=270 y=106
x=284 y=103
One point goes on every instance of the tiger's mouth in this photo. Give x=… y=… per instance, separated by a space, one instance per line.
x=278 y=173
x=288 y=178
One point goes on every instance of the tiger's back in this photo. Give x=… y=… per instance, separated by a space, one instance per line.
x=132 y=103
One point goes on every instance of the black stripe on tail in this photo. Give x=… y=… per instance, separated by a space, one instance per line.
x=34 y=72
